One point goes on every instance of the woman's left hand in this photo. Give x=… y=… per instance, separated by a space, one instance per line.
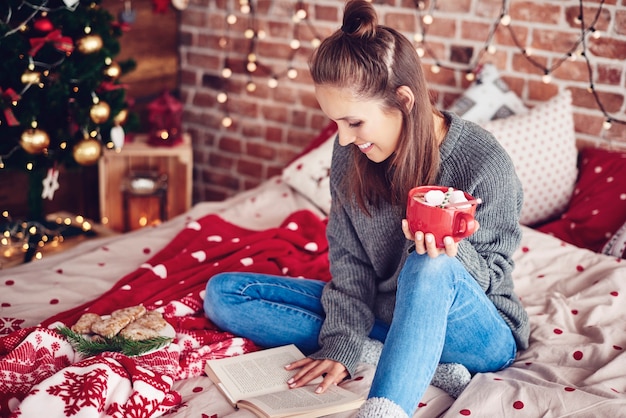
x=425 y=243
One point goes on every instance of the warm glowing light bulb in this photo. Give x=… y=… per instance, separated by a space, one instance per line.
x=222 y=97
x=231 y=19
x=420 y=52
x=606 y=125
x=435 y=69
x=505 y=20
x=227 y=121
x=315 y=42
x=248 y=33
x=418 y=37
x=292 y=73
x=547 y=78
x=272 y=83
x=227 y=72
x=294 y=44
x=251 y=87
x=491 y=49
x=470 y=76
x=427 y=19
x=301 y=13
x=251 y=66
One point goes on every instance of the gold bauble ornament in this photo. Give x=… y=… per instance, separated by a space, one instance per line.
x=113 y=70
x=89 y=44
x=34 y=141
x=100 y=112
x=87 y=151
x=121 y=117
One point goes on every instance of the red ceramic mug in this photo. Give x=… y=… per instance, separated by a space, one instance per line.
x=456 y=221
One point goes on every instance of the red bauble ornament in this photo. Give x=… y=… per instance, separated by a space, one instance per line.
x=43 y=25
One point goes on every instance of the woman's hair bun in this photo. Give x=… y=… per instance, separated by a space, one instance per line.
x=359 y=19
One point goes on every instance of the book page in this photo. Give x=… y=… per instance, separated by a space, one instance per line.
x=303 y=401
x=255 y=373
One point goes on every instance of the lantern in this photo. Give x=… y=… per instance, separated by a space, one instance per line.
x=145 y=199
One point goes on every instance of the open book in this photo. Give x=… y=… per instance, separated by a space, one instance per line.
x=258 y=382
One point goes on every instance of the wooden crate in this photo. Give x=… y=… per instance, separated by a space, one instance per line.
x=115 y=166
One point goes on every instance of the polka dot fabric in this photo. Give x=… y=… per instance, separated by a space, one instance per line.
x=597 y=208
x=542 y=145
x=576 y=360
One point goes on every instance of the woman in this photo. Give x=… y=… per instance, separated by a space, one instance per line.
x=429 y=306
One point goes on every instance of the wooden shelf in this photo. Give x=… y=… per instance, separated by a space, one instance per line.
x=114 y=166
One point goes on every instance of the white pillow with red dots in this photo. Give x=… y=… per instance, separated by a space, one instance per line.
x=596 y=215
x=309 y=174
x=542 y=145
x=488 y=98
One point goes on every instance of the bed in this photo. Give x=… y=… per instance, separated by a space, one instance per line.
x=575 y=296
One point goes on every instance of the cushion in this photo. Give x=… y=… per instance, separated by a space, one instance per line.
x=597 y=209
x=617 y=244
x=488 y=98
x=309 y=174
x=542 y=145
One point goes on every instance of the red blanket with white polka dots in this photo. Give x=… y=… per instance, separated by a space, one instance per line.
x=39 y=370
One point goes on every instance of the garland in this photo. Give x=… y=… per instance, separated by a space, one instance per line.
x=93 y=346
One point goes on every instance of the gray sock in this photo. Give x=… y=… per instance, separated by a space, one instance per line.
x=379 y=408
x=371 y=351
x=452 y=378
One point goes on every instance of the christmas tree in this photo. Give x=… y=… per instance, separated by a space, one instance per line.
x=60 y=96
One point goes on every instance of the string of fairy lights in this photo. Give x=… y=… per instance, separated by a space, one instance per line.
x=425 y=15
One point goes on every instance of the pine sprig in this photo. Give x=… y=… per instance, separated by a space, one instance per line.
x=91 y=347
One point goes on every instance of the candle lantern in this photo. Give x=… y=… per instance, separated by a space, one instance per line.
x=165 y=115
x=145 y=199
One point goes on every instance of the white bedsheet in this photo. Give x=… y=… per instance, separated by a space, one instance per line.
x=576 y=299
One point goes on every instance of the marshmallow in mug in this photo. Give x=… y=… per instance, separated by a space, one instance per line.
x=439 y=198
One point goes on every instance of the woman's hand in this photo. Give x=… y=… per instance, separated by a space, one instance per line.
x=333 y=372
x=425 y=243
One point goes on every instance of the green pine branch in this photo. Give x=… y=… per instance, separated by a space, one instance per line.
x=91 y=347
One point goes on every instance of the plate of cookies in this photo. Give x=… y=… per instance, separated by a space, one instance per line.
x=132 y=331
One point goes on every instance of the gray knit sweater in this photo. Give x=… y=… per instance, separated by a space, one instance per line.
x=367 y=253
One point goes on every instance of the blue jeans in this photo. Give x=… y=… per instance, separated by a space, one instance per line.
x=441 y=316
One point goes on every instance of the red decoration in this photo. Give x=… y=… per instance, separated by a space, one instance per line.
x=43 y=25
x=165 y=117
x=9 y=95
x=62 y=43
x=160 y=6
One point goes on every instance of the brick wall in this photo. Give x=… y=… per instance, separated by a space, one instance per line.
x=271 y=125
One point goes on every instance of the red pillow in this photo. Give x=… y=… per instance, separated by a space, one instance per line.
x=597 y=208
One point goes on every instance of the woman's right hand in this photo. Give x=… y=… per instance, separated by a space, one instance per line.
x=310 y=369
x=425 y=243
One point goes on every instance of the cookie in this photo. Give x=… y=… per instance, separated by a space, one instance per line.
x=83 y=325
x=111 y=326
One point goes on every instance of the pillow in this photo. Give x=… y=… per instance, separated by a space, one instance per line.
x=542 y=145
x=598 y=206
x=488 y=98
x=309 y=174
x=617 y=244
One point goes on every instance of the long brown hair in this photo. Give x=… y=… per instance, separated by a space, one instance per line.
x=372 y=61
